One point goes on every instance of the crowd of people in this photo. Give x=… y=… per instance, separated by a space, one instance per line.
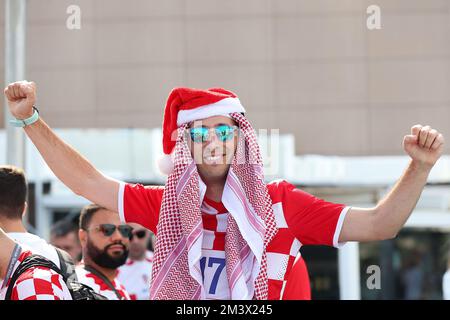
x=103 y=249
x=112 y=258
x=222 y=231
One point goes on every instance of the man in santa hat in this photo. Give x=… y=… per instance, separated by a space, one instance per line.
x=222 y=231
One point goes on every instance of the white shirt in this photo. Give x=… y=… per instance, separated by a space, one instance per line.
x=37 y=245
x=446 y=285
x=135 y=276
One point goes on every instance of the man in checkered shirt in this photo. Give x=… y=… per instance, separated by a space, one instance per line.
x=105 y=242
x=36 y=283
x=222 y=232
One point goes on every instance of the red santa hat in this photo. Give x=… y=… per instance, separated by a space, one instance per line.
x=187 y=104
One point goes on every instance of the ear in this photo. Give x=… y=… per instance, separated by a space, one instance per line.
x=82 y=235
x=25 y=208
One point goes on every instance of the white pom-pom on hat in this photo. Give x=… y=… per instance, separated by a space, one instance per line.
x=165 y=164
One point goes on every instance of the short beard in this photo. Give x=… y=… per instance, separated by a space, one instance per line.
x=103 y=259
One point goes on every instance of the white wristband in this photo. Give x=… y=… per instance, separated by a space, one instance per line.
x=26 y=122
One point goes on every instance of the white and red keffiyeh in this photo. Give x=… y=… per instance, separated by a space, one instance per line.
x=251 y=225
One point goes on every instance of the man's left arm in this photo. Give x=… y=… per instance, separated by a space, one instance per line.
x=7 y=244
x=425 y=145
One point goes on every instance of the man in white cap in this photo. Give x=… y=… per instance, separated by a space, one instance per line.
x=222 y=232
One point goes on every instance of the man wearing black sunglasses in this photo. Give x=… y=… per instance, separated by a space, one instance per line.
x=222 y=231
x=105 y=242
x=135 y=274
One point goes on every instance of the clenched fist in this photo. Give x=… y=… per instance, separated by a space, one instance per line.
x=21 y=97
x=424 y=145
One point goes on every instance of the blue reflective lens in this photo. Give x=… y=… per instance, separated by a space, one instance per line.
x=201 y=134
x=224 y=133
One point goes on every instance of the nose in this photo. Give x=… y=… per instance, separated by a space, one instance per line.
x=116 y=235
x=213 y=139
x=213 y=147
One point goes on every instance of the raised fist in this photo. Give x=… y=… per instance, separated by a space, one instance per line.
x=21 y=96
x=424 y=145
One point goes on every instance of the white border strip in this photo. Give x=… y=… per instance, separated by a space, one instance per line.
x=222 y=107
x=282 y=289
x=120 y=198
x=339 y=225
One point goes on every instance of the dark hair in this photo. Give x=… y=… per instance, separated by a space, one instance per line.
x=62 y=228
x=87 y=213
x=13 y=192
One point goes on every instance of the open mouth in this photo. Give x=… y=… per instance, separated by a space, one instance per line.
x=214 y=158
x=217 y=159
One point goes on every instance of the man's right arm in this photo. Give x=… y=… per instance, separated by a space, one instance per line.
x=75 y=171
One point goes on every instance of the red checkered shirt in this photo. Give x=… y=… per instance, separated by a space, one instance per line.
x=99 y=286
x=301 y=218
x=212 y=263
x=36 y=283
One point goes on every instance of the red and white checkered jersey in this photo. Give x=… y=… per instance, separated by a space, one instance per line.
x=135 y=276
x=212 y=263
x=301 y=218
x=99 y=286
x=298 y=285
x=36 y=283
